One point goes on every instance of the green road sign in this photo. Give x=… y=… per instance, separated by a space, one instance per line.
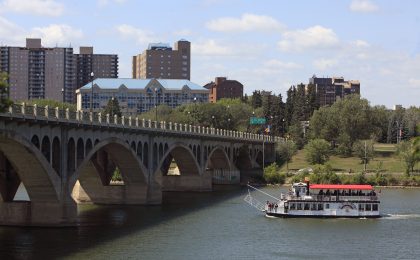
x=257 y=121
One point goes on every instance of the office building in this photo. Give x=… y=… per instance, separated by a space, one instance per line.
x=329 y=90
x=224 y=88
x=139 y=95
x=161 y=61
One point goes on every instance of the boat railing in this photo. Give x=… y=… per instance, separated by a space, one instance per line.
x=332 y=198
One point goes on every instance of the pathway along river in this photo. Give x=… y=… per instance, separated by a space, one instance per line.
x=220 y=225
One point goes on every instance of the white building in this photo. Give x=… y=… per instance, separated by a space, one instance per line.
x=139 y=95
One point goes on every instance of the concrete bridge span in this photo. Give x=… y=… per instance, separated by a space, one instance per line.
x=63 y=158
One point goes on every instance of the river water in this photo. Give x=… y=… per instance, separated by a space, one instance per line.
x=220 y=225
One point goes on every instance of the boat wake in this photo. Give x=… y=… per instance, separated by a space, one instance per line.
x=401 y=216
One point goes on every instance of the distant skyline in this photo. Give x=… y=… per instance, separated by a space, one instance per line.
x=268 y=45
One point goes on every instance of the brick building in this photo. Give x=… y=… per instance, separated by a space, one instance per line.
x=224 y=88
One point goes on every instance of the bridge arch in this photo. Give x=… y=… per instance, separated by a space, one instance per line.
x=218 y=159
x=243 y=158
x=91 y=182
x=184 y=158
x=56 y=155
x=125 y=158
x=46 y=148
x=32 y=168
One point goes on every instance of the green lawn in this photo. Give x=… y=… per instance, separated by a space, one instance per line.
x=385 y=153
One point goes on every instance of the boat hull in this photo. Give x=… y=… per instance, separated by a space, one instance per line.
x=286 y=215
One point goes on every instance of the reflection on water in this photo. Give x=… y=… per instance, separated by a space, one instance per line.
x=220 y=225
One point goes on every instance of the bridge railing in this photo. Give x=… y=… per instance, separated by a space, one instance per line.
x=93 y=118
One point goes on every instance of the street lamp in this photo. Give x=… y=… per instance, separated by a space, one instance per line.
x=62 y=96
x=112 y=106
x=212 y=121
x=156 y=93
x=91 y=92
x=195 y=110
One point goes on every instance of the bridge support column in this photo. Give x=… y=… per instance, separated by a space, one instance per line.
x=29 y=213
x=110 y=194
x=202 y=182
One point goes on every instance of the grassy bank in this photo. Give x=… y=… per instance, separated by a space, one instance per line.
x=386 y=169
x=385 y=161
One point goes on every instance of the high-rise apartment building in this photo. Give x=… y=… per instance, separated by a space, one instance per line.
x=329 y=90
x=37 y=72
x=162 y=62
x=102 y=66
x=224 y=88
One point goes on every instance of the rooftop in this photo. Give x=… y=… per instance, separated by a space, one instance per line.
x=112 y=83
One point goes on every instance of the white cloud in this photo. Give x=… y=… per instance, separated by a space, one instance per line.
x=210 y=48
x=103 y=3
x=182 y=33
x=139 y=35
x=37 y=7
x=316 y=37
x=363 y=6
x=280 y=65
x=360 y=44
x=57 y=34
x=414 y=82
x=247 y=22
x=324 y=64
x=10 y=33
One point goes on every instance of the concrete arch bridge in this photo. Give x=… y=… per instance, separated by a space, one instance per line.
x=63 y=158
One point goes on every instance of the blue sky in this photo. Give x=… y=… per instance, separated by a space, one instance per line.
x=265 y=44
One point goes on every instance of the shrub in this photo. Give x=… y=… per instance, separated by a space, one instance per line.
x=317 y=151
x=272 y=174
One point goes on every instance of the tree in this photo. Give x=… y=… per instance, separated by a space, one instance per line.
x=364 y=150
x=112 y=108
x=272 y=174
x=312 y=102
x=256 y=99
x=285 y=151
x=295 y=132
x=407 y=151
x=51 y=103
x=346 y=121
x=317 y=151
x=5 y=102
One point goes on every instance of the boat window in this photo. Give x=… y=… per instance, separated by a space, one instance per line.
x=306 y=206
x=299 y=206
x=327 y=206
x=292 y=206
x=374 y=207
x=313 y=206
x=361 y=207
x=320 y=206
x=368 y=207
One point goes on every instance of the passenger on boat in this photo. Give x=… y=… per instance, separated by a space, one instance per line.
x=275 y=207
x=327 y=193
x=321 y=192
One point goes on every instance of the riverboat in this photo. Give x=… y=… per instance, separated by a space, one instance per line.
x=321 y=201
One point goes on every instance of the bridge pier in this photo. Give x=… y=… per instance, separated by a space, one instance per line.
x=110 y=194
x=29 y=213
x=202 y=182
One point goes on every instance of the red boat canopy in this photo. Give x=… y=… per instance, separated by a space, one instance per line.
x=340 y=187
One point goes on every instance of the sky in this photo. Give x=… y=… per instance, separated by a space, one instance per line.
x=264 y=44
